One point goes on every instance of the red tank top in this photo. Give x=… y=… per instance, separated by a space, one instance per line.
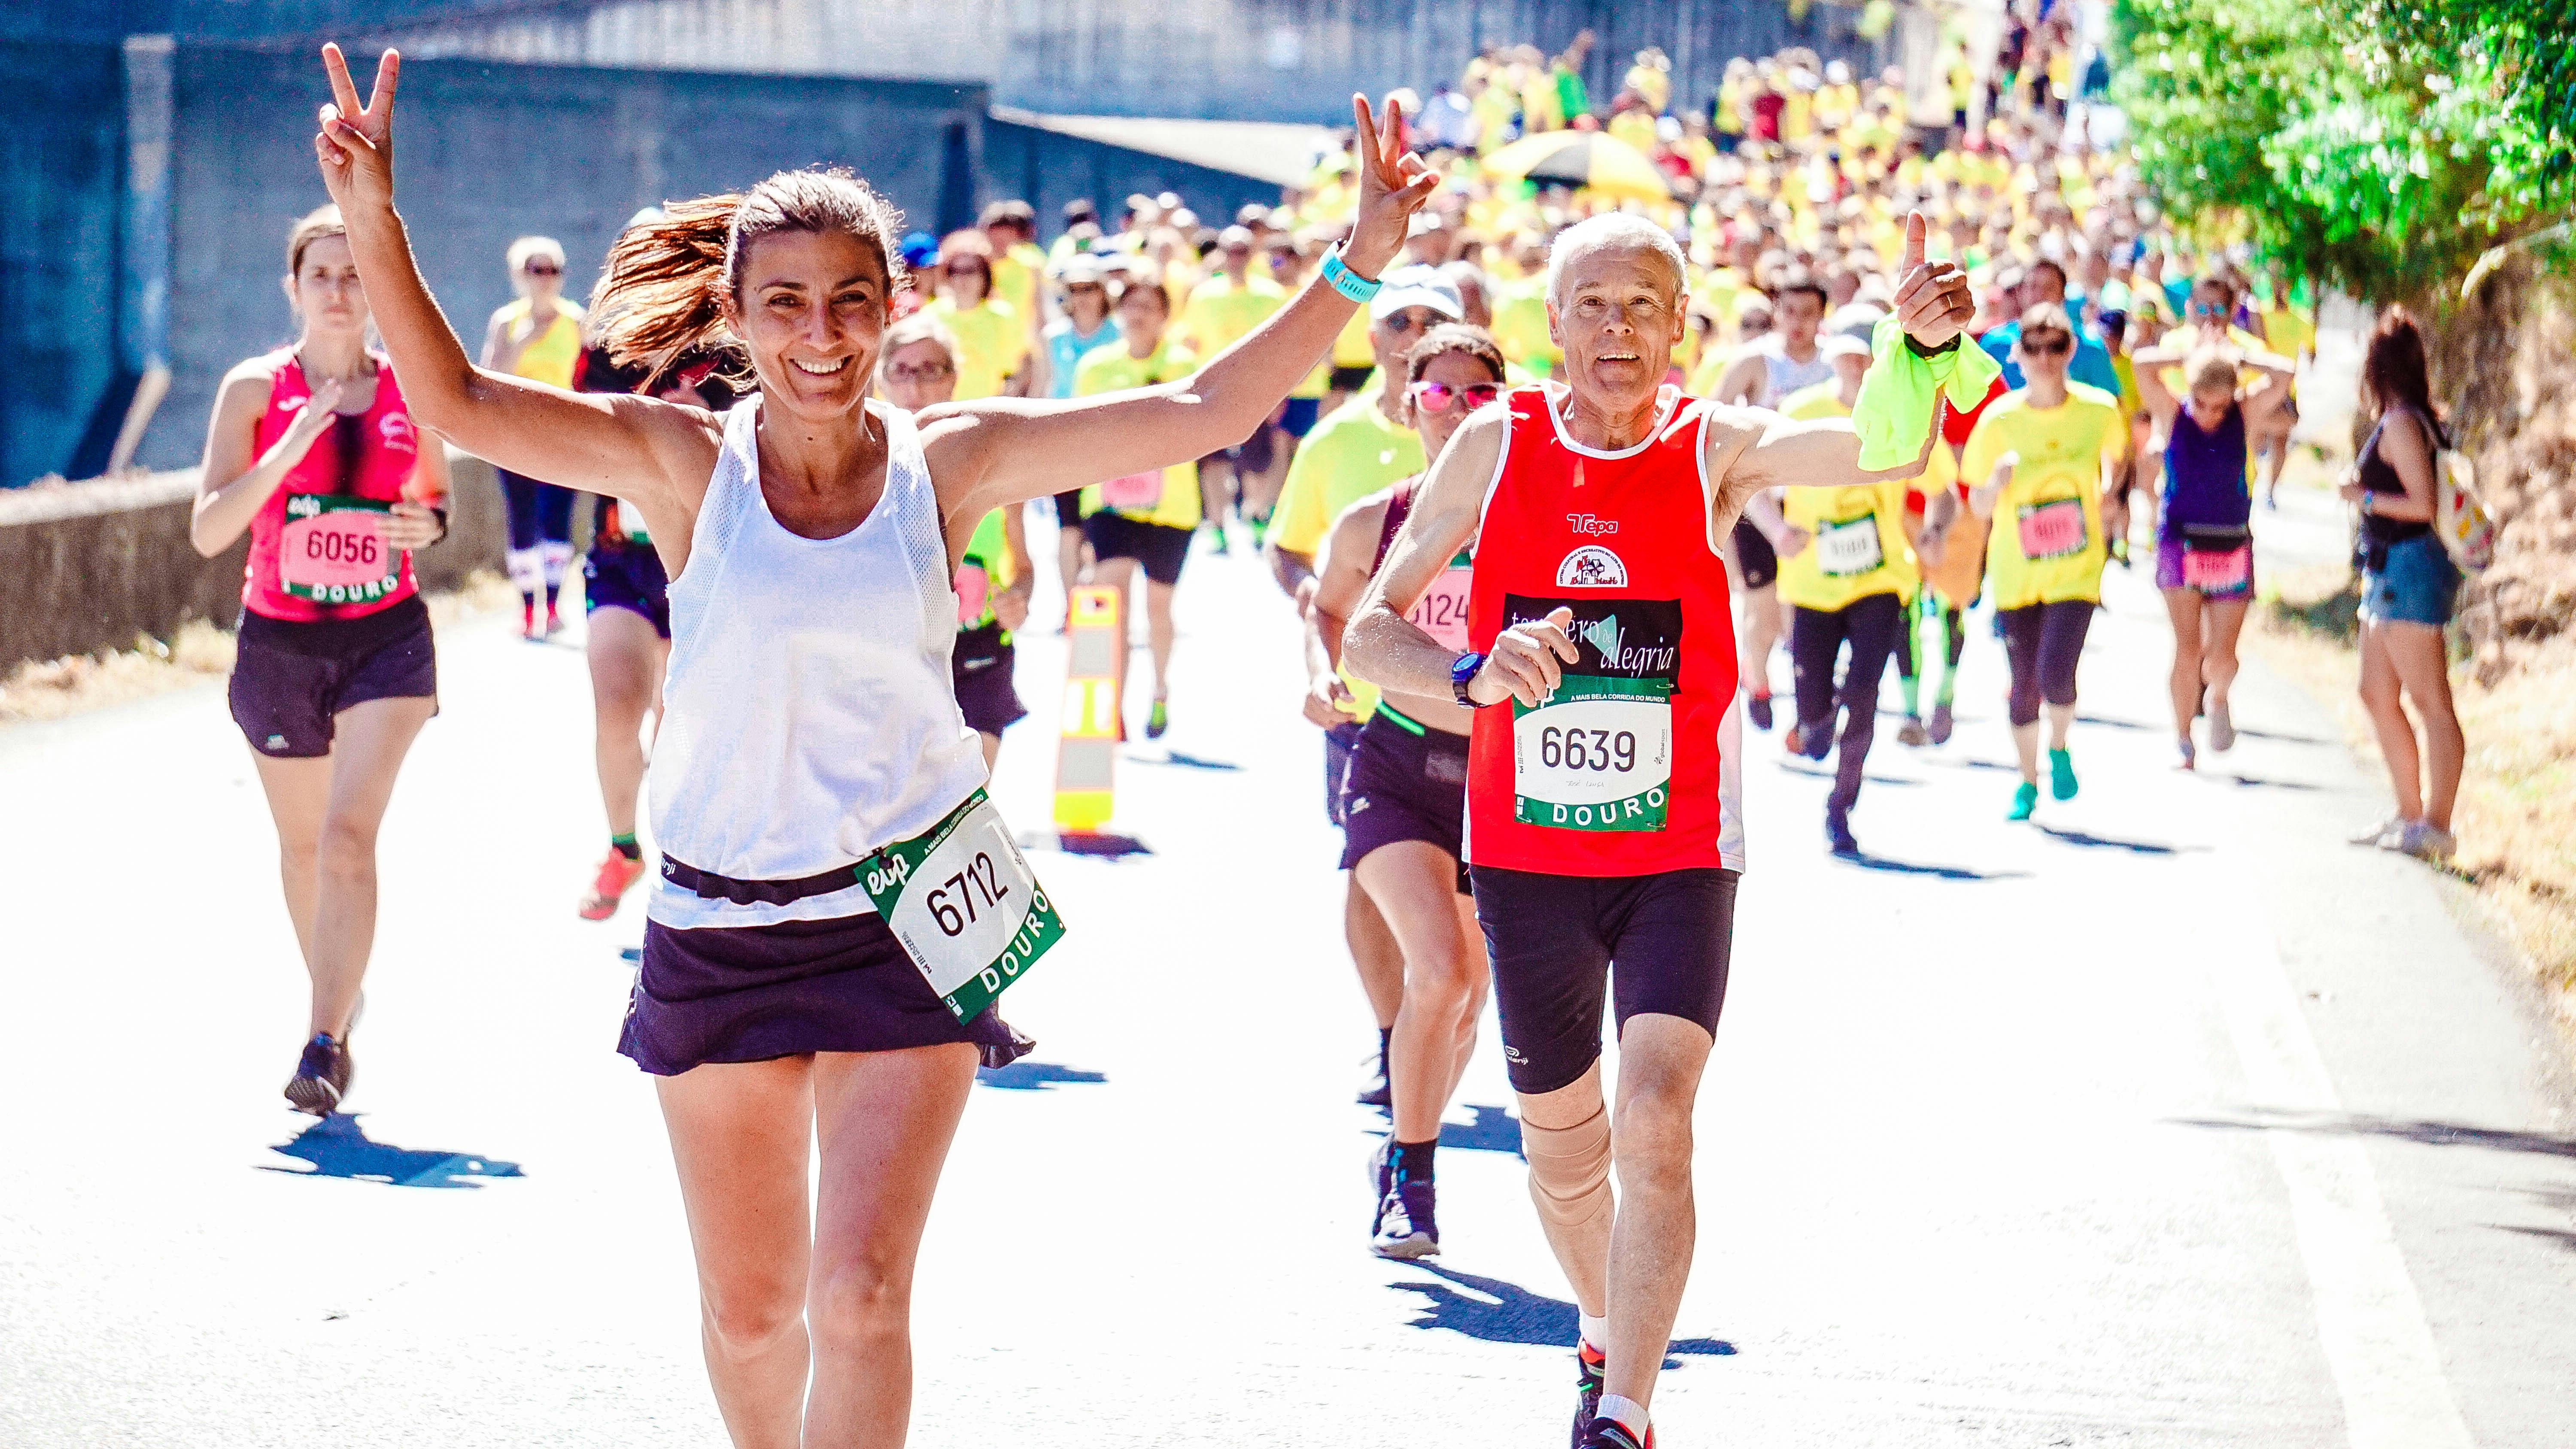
x=317 y=548
x=1630 y=767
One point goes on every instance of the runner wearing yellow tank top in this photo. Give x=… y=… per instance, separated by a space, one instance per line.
x=1143 y=521
x=1848 y=571
x=536 y=336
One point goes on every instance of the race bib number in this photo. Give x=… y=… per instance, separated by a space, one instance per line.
x=1850 y=547
x=974 y=593
x=1442 y=614
x=333 y=550
x=2217 y=569
x=1135 y=490
x=1597 y=753
x=2053 y=529
x=964 y=904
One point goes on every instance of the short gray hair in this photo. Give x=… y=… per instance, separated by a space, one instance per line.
x=1612 y=229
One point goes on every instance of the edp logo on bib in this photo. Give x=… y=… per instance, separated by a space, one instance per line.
x=1592 y=567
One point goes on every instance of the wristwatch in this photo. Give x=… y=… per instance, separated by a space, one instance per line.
x=1462 y=672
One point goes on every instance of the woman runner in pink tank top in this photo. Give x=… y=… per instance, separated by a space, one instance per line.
x=313 y=454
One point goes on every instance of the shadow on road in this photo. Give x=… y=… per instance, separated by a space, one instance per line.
x=1187 y=762
x=1493 y=1311
x=1492 y=1130
x=337 y=1146
x=1893 y=866
x=2250 y=781
x=2560 y=1236
x=2091 y=841
x=1029 y=1076
x=2410 y=1129
x=1793 y=766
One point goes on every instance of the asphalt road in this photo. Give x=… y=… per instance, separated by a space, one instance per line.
x=2170 y=1120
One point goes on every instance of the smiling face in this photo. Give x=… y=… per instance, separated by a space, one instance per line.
x=1617 y=314
x=918 y=374
x=812 y=311
x=326 y=291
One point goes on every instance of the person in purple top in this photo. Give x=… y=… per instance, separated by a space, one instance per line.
x=2204 y=544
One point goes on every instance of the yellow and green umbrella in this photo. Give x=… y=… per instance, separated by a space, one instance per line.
x=1594 y=159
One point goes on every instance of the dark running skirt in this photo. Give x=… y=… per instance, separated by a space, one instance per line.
x=758 y=993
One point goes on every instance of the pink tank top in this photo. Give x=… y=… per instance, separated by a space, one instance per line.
x=317 y=548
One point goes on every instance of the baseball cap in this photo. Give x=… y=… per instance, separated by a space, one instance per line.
x=1841 y=344
x=1416 y=286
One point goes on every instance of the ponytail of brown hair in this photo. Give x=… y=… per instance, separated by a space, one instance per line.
x=661 y=293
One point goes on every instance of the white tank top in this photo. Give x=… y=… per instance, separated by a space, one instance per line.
x=1782 y=376
x=809 y=716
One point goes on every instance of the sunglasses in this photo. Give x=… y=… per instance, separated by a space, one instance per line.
x=542 y=269
x=1439 y=397
x=966 y=269
x=1410 y=320
x=2058 y=348
x=931 y=373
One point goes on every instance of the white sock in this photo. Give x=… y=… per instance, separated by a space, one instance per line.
x=1596 y=1331
x=1628 y=1412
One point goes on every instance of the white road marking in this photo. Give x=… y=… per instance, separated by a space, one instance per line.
x=2369 y=1319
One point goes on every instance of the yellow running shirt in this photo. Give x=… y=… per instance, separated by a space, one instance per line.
x=1173 y=499
x=990 y=344
x=550 y=356
x=1219 y=313
x=1350 y=454
x=1856 y=536
x=1520 y=326
x=2046 y=545
x=1351 y=346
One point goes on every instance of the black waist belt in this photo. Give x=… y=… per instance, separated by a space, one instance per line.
x=757 y=892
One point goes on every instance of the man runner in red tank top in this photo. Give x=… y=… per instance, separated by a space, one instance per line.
x=1603 y=831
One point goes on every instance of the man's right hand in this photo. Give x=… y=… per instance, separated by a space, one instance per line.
x=1524 y=663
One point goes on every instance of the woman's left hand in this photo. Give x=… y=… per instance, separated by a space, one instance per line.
x=413 y=526
x=2350 y=492
x=1394 y=184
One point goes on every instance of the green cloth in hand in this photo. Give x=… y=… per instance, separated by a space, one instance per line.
x=1899 y=400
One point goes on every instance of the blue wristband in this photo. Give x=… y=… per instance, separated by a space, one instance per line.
x=1347 y=282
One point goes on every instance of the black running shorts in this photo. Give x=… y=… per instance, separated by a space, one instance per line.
x=1158 y=549
x=1404 y=784
x=1561 y=943
x=291 y=678
x=1754 y=556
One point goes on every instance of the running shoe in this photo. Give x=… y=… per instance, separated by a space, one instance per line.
x=1219 y=546
x=1591 y=1369
x=2421 y=839
x=1815 y=744
x=2025 y=800
x=616 y=874
x=1374 y=1091
x=1757 y=708
x=2061 y=774
x=554 y=622
x=1941 y=722
x=1405 y=1228
x=2378 y=834
x=1838 y=830
x=1381 y=1169
x=1911 y=732
x=1260 y=532
x=321 y=1077
x=2222 y=727
x=1609 y=1433
x=2190 y=754
x=1158 y=719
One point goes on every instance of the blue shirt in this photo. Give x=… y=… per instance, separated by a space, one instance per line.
x=1065 y=349
x=2092 y=364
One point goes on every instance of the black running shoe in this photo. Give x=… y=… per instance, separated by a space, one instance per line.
x=1838 y=833
x=1757 y=708
x=1374 y=1091
x=1608 y=1433
x=1405 y=1225
x=321 y=1077
x=1590 y=1368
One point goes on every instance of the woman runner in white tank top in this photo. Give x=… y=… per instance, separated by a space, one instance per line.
x=812 y=731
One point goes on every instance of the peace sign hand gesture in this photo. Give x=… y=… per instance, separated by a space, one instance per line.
x=356 y=143
x=1394 y=183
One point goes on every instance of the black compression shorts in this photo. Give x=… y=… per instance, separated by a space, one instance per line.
x=1560 y=943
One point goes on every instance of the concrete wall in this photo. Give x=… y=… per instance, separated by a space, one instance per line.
x=1261 y=60
x=89 y=566
x=488 y=152
x=1048 y=169
x=61 y=137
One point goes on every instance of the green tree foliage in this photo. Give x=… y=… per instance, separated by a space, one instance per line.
x=2380 y=145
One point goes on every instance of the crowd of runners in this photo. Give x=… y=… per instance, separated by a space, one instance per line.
x=1545 y=475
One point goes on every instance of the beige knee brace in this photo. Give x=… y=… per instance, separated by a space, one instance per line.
x=1569 y=1169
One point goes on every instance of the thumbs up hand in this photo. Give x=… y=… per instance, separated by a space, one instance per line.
x=1932 y=301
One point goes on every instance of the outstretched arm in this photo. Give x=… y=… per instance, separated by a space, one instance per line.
x=995 y=452
x=655 y=454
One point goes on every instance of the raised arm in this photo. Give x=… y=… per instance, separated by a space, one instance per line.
x=998 y=451
x=656 y=454
x=236 y=479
